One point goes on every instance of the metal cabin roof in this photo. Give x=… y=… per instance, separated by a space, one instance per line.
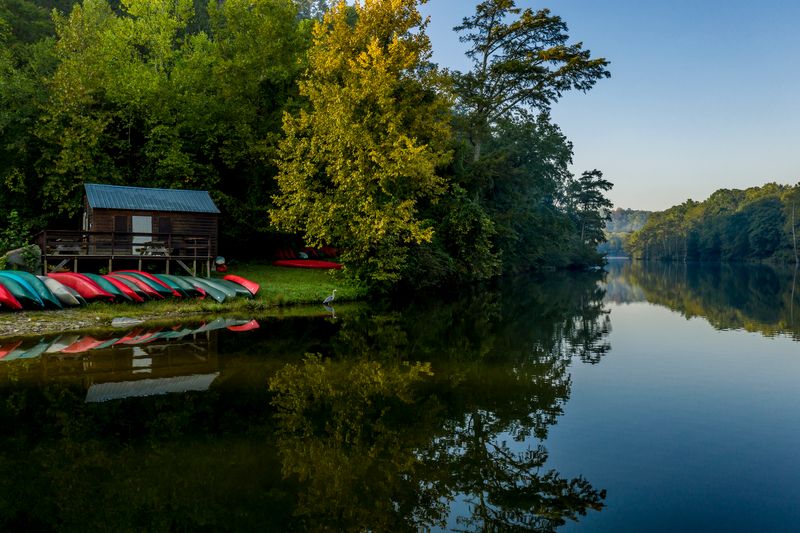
x=147 y=199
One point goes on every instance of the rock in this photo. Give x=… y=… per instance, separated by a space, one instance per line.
x=123 y=321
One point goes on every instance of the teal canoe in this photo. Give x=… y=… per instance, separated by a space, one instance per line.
x=229 y=293
x=174 y=285
x=209 y=289
x=21 y=290
x=108 y=287
x=35 y=285
x=238 y=289
x=160 y=289
x=187 y=287
x=42 y=290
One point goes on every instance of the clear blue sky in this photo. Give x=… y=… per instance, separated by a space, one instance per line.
x=702 y=95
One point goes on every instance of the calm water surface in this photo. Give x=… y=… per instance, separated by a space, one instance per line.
x=646 y=398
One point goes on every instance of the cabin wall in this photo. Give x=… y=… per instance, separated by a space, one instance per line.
x=182 y=224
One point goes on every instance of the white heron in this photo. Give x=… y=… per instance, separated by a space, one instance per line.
x=330 y=298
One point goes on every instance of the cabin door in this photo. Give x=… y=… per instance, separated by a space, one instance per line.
x=140 y=224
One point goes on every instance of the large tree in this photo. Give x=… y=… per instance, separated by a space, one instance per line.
x=359 y=163
x=521 y=61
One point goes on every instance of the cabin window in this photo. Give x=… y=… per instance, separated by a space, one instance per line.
x=121 y=224
x=164 y=225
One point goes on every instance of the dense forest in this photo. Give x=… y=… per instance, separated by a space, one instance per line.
x=619 y=227
x=310 y=123
x=755 y=224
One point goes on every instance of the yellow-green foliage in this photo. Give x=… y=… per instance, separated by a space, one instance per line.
x=358 y=163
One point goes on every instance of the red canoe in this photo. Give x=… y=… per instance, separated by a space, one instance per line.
x=84 y=344
x=253 y=324
x=251 y=286
x=124 y=288
x=307 y=263
x=83 y=284
x=8 y=348
x=144 y=287
x=7 y=299
x=151 y=278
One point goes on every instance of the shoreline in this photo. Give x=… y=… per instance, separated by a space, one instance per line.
x=284 y=292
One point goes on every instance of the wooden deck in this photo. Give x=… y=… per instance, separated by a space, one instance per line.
x=66 y=249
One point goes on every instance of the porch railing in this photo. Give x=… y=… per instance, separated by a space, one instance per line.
x=67 y=243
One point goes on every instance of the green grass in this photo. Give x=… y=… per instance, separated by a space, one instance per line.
x=285 y=286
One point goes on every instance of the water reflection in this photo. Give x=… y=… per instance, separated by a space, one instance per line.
x=753 y=297
x=444 y=402
x=133 y=363
x=433 y=416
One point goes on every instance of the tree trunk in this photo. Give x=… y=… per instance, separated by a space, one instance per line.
x=794 y=237
x=476 y=154
x=791 y=301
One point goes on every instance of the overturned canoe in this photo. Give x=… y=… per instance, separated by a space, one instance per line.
x=61 y=291
x=251 y=286
x=22 y=291
x=109 y=287
x=209 y=289
x=8 y=300
x=141 y=284
x=87 y=288
x=307 y=263
x=159 y=285
x=41 y=290
x=122 y=287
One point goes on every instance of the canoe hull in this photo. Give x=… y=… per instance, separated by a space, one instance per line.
x=87 y=288
x=251 y=286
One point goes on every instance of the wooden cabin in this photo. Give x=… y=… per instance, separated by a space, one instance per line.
x=121 y=222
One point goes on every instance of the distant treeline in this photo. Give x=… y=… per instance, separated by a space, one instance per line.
x=310 y=122
x=755 y=224
x=619 y=227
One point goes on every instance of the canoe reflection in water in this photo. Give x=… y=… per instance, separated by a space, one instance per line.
x=135 y=363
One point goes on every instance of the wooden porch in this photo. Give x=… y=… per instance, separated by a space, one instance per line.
x=66 y=248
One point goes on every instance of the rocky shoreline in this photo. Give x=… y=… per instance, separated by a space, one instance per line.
x=15 y=325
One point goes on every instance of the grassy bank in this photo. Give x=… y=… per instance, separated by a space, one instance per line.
x=301 y=289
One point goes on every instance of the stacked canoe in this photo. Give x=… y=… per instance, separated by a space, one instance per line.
x=22 y=290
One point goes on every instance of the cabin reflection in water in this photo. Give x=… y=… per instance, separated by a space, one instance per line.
x=137 y=363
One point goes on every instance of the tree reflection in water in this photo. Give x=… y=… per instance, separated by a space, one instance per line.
x=438 y=404
x=754 y=297
x=406 y=417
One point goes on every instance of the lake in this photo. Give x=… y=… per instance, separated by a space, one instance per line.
x=650 y=397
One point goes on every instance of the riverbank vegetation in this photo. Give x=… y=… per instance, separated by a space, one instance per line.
x=755 y=224
x=309 y=122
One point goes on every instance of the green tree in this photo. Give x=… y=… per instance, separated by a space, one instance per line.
x=591 y=208
x=360 y=162
x=312 y=9
x=26 y=61
x=518 y=65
